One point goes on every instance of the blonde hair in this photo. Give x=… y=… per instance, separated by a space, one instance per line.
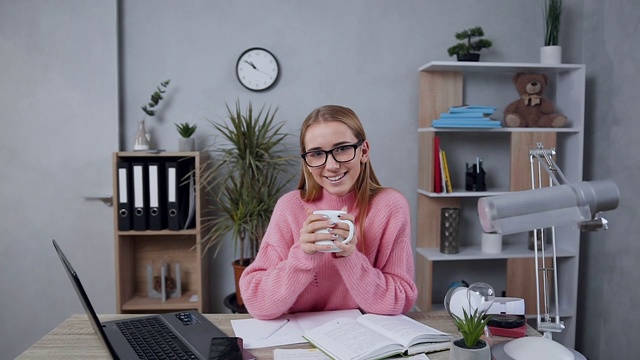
x=366 y=185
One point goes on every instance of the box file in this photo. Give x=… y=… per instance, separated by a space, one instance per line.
x=180 y=195
x=124 y=197
x=140 y=196
x=157 y=196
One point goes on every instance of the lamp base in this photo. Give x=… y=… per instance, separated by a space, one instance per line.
x=531 y=348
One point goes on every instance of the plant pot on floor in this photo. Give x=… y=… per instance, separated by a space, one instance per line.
x=459 y=351
x=469 y=57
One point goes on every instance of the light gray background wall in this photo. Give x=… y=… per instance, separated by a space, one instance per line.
x=363 y=54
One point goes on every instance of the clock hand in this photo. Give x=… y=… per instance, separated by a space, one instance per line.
x=251 y=63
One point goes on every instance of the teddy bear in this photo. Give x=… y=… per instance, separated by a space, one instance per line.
x=532 y=109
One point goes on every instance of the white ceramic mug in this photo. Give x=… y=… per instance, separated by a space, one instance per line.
x=332 y=215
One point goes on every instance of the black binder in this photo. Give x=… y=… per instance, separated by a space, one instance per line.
x=140 y=196
x=157 y=196
x=124 y=197
x=180 y=194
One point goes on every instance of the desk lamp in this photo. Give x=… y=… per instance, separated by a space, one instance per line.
x=561 y=203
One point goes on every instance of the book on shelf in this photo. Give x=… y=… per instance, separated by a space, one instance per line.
x=473 y=108
x=373 y=336
x=437 y=178
x=443 y=178
x=469 y=116
x=447 y=177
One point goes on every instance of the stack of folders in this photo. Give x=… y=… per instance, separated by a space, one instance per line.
x=156 y=193
x=467 y=116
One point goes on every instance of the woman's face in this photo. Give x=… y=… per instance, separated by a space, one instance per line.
x=335 y=177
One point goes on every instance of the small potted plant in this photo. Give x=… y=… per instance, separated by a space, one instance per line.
x=141 y=141
x=472 y=327
x=186 y=142
x=472 y=43
x=551 y=52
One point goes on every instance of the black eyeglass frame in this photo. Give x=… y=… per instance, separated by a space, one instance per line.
x=327 y=152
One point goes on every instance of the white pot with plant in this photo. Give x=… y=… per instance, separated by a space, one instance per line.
x=468 y=307
x=551 y=52
x=142 y=139
x=186 y=142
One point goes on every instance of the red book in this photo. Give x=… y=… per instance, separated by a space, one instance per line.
x=437 y=171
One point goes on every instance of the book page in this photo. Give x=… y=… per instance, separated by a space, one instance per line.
x=350 y=339
x=403 y=329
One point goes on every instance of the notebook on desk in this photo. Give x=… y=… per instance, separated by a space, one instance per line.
x=186 y=333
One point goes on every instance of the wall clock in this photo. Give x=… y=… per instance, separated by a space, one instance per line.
x=257 y=69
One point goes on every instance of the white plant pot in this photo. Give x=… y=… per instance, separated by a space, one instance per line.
x=188 y=144
x=491 y=243
x=551 y=55
x=459 y=353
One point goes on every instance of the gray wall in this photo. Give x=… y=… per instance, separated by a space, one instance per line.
x=363 y=54
x=608 y=292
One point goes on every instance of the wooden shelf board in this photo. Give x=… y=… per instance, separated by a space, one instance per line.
x=474 y=252
x=159 y=232
x=463 y=193
x=140 y=302
x=494 y=67
x=501 y=130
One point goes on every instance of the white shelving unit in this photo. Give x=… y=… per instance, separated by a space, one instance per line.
x=505 y=159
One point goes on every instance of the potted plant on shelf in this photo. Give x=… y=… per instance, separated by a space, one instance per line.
x=186 y=141
x=243 y=181
x=472 y=43
x=472 y=327
x=141 y=141
x=551 y=52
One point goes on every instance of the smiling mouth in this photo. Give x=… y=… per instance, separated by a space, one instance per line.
x=336 y=178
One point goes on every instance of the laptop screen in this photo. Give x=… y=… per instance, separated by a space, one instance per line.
x=84 y=299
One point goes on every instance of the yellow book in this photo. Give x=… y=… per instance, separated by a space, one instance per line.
x=445 y=167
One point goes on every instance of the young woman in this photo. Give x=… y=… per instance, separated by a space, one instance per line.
x=374 y=272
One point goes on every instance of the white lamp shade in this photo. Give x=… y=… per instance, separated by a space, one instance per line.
x=545 y=207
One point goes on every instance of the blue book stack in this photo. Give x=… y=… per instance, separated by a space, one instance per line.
x=468 y=116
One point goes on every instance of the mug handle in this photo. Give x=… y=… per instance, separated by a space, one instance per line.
x=351 y=231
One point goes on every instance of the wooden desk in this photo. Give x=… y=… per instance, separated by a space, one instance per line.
x=74 y=338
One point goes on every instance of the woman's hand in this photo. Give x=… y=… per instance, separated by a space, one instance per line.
x=315 y=222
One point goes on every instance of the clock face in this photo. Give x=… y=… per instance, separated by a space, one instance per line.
x=257 y=69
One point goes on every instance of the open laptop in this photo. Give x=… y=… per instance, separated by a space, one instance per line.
x=193 y=332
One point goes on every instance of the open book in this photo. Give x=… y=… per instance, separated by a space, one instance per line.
x=372 y=336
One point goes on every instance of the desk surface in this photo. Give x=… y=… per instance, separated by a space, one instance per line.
x=74 y=338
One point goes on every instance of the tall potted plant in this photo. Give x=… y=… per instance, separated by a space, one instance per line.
x=243 y=181
x=551 y=52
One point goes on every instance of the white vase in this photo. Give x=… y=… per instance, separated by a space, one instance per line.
x=141 y=141
x=187 y=144
x=551 y=54
x=459 y=353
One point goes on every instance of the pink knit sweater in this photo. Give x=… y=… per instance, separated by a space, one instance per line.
x=283 y=279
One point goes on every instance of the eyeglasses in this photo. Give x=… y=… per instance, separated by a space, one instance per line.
x=341 y=154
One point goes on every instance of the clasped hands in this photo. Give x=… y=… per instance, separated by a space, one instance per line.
x=336 y=231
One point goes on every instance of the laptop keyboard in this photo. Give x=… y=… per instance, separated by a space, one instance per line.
x=151 y=338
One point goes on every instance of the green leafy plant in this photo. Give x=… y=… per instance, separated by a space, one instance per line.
x=156 y=97
x=472 y=42
x=244 y=179
x=552 y=15
x=186 y=130
x=471 y=326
